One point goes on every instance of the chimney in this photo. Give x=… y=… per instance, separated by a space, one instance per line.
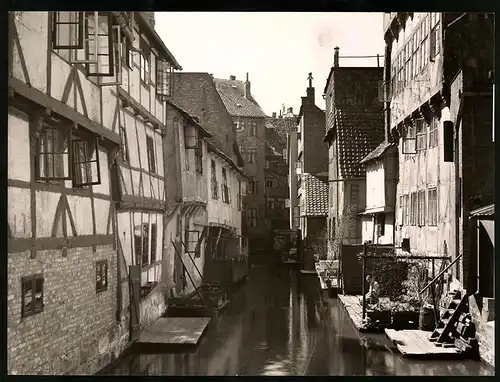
x=290 y=110
x=274 y=114
x=247 y=88
x=336 y=57
x=212 y=75
x=310 y=89
x=232 y=78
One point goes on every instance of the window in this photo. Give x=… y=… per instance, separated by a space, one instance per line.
x=252 y=217
x=424 y=46
x=433 y=133
x=141 y=244
x=267 y=164
x=153 y=243
x=409 y=140
x=252 y=128
x=252 y=187
x=380 y=222
x=198 y=156
x=192 y=238
x=85 y=161
x=241 y=125
x=270 y=204
x=51 y=153
x=31 y=295
x=150 y=146
x=414 y=208
x=432 y=207
x=434 y=36
x=421 y=129
x=144 y=61
x=239 y=198
x=67 y=30
x=101 y=57
x=124 y=145
x=249 y=154
x=226 y=195
x=215 y=186
x=101 y=276
x=354 y=195
x=163 y=78
x=421 y=208
x=269 y=182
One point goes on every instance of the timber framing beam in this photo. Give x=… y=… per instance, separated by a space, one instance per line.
x=130 y=202
x=128 y=101
x=38 y=97
x=16 y=245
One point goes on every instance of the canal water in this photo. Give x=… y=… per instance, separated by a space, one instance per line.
x=277 y=324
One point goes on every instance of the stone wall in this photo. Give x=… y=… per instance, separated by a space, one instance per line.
x=77 y=332
x=484 y=320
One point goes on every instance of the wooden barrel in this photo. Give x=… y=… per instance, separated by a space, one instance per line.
x=426 y=319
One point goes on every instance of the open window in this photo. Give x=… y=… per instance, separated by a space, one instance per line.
x=198 y=156
x=145 y=55
x=163 y=78
x=101 y=51
x=124 y=153
x=85 y=161
x=409 y=139
x=115 y=78
x=87 y=53
x=52 y=161
x=421 y=134
x=32 y=295
x=67 y=30
x=226 y=195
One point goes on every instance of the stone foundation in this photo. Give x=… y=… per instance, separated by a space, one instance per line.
x=483 y=315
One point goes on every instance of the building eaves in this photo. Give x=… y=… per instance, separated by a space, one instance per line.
x=378 y=152
x=212 y=146
x=190 y=118
x=157 y=39
x=486 y=211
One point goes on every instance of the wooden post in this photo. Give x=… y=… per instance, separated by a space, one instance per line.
x=363 y=280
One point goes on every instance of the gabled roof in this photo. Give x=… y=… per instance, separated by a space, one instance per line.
x=316 y=196
x=378 y=152
x=358 y=133
x=232 y=93
x=190 y=118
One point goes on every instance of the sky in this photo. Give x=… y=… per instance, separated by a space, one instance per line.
x=276 y=49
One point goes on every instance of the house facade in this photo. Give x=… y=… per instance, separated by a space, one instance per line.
x=92 y=134
x=440 y=113
x=249 y=120
x=312 y=168
x=354 y=128
x=276 y=170
x=377 y=220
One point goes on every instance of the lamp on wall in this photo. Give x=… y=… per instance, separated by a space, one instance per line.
x=191 y=137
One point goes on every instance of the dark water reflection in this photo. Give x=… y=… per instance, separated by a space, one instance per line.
x=277 y=325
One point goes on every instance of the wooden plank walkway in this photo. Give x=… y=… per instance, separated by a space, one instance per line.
x=413 y=343
x=175 y=331
x=353 y=308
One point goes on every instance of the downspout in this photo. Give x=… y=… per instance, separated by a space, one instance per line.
x=165 y=242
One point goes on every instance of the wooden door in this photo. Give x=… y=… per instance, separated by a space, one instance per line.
x=135 y=294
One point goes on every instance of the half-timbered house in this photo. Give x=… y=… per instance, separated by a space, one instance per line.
x=85 y=167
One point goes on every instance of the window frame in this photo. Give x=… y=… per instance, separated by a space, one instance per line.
x=187 y=238
x=87 y=162
x=251 y=216
x=164 y=77
x=151 y=153
x=80 y=29
x=413 y=209
x=110 y=52
x=34 y=309
x=434 y=133
x=145 y=57
x=226 y=197
x=66 y=138
x=420 y=135
x=409 y=135
x=213 y=179
x=124 y=152
x=432 y=207
x=421 y=208
x=101 y=273
x=198 y=155
x=434 y=36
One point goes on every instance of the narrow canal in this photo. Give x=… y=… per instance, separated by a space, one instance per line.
x=278 y=325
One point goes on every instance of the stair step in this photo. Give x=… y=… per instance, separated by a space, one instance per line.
x=433 y=339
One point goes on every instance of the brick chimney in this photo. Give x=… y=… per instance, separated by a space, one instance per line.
x=232 y=78
x=310 y=89
x=150 y=16
x=247 y=88
x=336 y=57
x=274 y=114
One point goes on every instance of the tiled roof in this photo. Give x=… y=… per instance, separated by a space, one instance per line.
x=316 y=196
x=358 y=134
x=484 y=211
x=232 y=93
x=381 y=149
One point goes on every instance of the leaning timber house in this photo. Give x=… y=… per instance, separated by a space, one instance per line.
x=86 y=187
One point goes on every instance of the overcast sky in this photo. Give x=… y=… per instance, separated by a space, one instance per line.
x=277 y=49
